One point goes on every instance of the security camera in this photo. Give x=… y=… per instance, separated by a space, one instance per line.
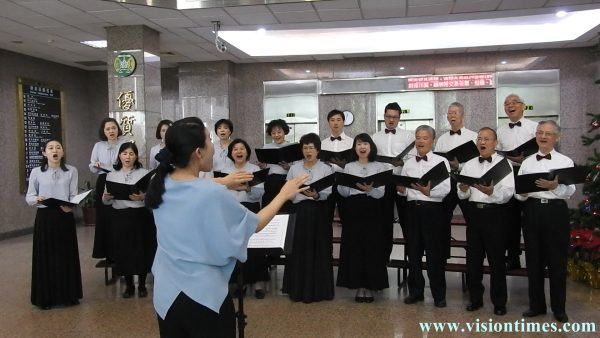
x=221 y=47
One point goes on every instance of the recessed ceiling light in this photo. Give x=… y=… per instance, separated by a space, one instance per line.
x=307 y=71
x=426 y=36
x=561 y=14
x=96 y=43
x=261 y=30
x=503 y=62
x=401 y=68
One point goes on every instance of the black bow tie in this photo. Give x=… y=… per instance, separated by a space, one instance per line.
x=512 y=125
x=339 y=138
x=481 y=159
x=393 y=131
x=540 y=157
x=424 y=158
x=452 y=132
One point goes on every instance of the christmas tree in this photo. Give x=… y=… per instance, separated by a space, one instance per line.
x=584 y=262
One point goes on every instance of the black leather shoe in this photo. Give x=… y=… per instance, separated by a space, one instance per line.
x=441 y=303
x=142 y=292
x=533 y=313
x=561 y=317
x=259 y=294
x=513 y=263
x=45 y=307
x=129 y=292
x=368 y=299
x=413 y=299
x=499 y=310
x=359 y=299
x=474 y=306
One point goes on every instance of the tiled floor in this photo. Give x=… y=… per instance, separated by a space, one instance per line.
x=103 y=313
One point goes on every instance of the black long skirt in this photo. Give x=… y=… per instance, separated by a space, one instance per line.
x=308 y=274
x=256 y=267
x=55 y=271
x=133 y=241
x=101 y=232
x=273 y=185
x=363 y=251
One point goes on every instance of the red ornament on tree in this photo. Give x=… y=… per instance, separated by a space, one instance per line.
x=595 y=124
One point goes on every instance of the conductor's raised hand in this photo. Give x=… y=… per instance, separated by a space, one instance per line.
x=293 y=186
x=236 y=179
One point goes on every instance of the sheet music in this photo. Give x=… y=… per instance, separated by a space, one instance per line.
x=78 y=198
x=272 y=235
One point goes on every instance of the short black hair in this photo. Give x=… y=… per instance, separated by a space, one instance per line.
x=226 y=122
x=278 y=123
x=128 y=145
x=311 y=138
x=393 y=106
x=364 y=137
x=336 y=112
x=159 y=127
x=103 y=123
x=233 y=143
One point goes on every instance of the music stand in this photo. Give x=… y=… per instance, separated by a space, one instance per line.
x=286 y=250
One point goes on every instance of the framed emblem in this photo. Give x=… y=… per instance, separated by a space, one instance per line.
x=124 y=64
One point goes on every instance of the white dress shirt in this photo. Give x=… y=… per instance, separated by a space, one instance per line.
x=510 y=138
x=220 y=159
x=52 y=183
x=393 y=144
x=503 y=190
x=558 y=161
x=337 y=145
x=447 y=142
x=412 y=168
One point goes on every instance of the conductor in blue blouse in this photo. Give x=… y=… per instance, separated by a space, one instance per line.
x=201 y=231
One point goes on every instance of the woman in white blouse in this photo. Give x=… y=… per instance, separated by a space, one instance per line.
x=132 y=229
x=56 y=275
x=161 y=130
x=223 y=129
x=363 y=261
x=102 y=160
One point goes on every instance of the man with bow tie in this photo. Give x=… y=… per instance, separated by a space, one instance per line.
x=336 y=142
x=486 y=224
x=546 y=225
x=457 y=136
x=391 y=141
x=425 y=221
x=511 y=135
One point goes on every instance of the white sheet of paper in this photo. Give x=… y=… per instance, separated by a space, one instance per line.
x=272 y=235
x=78 y=198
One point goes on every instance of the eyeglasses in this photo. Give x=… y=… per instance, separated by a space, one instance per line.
x=389 y=117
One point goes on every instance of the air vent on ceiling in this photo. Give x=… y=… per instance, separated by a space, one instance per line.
x=91 y=63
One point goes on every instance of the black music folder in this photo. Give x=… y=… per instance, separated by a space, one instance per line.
x=322 y=183
x=435 y=175
x=289 y=154
x=55 y=202
x=573 y=175
x=336 y=156
x=260 y=176
x=528 y=148
x=388 y=159
x=495 y=175
x=462 y=153
x=121 y=191
x=349 y=180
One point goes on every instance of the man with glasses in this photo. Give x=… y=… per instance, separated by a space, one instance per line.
x=546 y=225
x=391 y=141
x=511 y=135
x=486 y=225
x=457 y=136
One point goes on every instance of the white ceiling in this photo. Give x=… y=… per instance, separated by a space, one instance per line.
x=52 y=29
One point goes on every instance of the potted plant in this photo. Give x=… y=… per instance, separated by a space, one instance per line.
x=88 y=206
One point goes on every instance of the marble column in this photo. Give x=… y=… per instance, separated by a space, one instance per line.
x=135 y=93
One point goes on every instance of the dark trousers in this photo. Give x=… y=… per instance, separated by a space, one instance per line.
x=486 y=235
x=186 y=318
x=514 y=211
x=425 y=232
x=546 y=229
x=390 y=200
x=450 y=202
